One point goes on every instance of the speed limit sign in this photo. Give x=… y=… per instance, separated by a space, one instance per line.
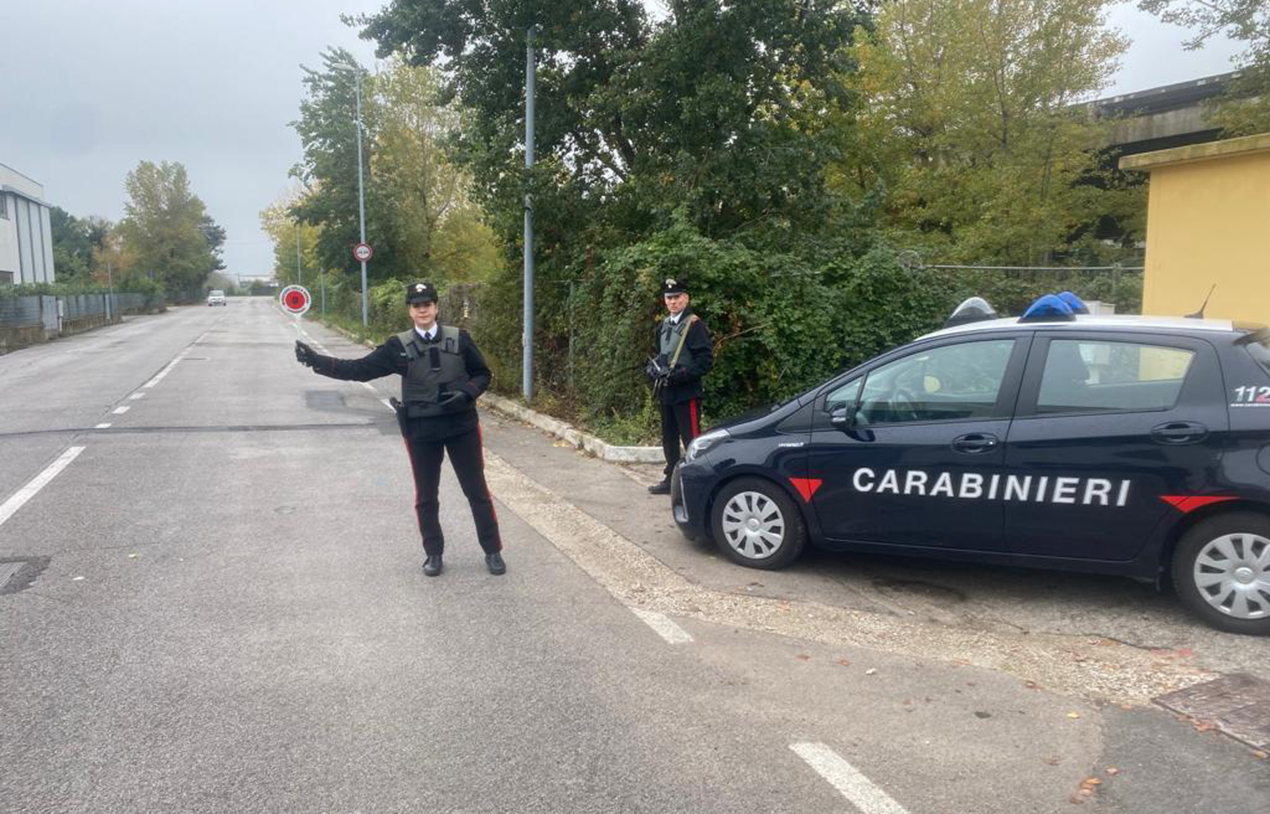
x=363 y=252
x=295 y=299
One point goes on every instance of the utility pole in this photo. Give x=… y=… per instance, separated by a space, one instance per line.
x=299 y=275
x=361 y=196
x=528 y=360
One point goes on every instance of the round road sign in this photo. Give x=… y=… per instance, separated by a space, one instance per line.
x=363 y=252
x=295 y=299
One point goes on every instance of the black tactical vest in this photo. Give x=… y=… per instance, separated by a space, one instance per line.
x=433 y=369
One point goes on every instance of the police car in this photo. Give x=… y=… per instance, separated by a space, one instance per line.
x=1128 y=445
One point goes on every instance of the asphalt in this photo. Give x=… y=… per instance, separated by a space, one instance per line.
x=233 y=618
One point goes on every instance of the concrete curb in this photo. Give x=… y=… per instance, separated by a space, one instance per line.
x=554 y=426
x=584 y=441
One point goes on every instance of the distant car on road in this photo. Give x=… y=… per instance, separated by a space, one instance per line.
x=216 y=297
x=1137 y=446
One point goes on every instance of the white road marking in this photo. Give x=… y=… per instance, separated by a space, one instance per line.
x=10 y=506
x=387 y=404
x=847 y=779
x=159 y=376
x=102 y=426
x=663 y=625
x=136 y=396
x=122 y=409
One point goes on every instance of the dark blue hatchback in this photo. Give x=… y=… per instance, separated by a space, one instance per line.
x=1137 y=446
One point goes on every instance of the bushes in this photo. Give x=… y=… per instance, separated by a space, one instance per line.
x=781 y=322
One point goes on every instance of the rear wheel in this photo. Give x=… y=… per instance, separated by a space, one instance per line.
x=1221 y=570
x=756 y=524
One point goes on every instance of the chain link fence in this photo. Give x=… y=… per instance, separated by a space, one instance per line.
x=28 y=319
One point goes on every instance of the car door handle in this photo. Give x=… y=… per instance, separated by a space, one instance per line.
x=975 y=443
x=1179 y=432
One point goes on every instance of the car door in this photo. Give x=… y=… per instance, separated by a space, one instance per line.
x=1111 y=431
x=900 y=453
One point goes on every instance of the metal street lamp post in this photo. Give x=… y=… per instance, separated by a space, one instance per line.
x=361 y=196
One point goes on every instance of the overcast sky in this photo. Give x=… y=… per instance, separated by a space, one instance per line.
x=89 y=88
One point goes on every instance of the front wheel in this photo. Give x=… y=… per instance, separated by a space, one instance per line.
x=757 y=525
x=1221 y=570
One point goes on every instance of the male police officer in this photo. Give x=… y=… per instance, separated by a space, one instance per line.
x=684 y=354
x=442 y=373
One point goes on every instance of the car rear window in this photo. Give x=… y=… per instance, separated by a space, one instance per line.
x=1260 y=350
x=1084 y=376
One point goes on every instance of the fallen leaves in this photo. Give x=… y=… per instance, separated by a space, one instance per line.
x=1073 y=715
x=803 y=657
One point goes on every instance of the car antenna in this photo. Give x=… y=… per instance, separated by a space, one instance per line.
x=1200 y=313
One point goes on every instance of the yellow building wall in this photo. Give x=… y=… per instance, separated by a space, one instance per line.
x=1208 y=221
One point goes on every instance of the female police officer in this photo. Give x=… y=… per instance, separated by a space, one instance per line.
x=442 y=373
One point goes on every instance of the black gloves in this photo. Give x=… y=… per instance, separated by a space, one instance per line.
x=305 y=355
x=679 y=375
x=655 y=370
x=454 y=399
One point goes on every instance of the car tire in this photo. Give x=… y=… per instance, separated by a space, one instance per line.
x=1221 y=572
x=756 y=524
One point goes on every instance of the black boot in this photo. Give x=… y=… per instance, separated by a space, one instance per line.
x=494 y=562
x=432 y=565
x=662 y=488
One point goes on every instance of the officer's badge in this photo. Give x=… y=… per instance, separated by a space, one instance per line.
x=671 y=282
x=419 y=287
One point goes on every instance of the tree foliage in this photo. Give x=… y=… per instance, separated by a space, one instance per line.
x=419 y=215
x=169 y=238
x=74 y=241
x=969 y=125
x=296 y=255
x=1246 y=106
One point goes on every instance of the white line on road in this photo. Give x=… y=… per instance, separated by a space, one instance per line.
x=102 y=425
x=136 y=396
x=10 y=506
x=165 y=371
x=664 y=627
x=121 y=410
x=847 y=779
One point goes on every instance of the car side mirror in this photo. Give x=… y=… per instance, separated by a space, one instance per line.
x=842 y=417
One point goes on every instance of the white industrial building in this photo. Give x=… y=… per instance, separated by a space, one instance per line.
x=26 y=241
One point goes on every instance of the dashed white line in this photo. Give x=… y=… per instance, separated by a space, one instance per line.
x=847 y=779
x=10 y=506
x=165 y=371
x=664 y=627
x=102 y=425
x=136 y=396
x=122 y=409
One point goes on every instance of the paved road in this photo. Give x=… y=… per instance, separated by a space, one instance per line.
x=231 y=616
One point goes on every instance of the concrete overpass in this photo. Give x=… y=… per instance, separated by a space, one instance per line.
x=1164 y=117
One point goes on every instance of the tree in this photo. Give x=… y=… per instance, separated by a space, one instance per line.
x=440 y=231
x=290 y=235
x=1246 y=106
x=169 y=237
x=970 y=126
x=328 y=135
x=72 y=246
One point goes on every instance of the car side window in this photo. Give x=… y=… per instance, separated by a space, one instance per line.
x=1083 y=376
x=947 y=383
x=844 y=396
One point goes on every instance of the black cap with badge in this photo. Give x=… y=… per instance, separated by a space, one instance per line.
x=420 y=292
x=672 y=285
